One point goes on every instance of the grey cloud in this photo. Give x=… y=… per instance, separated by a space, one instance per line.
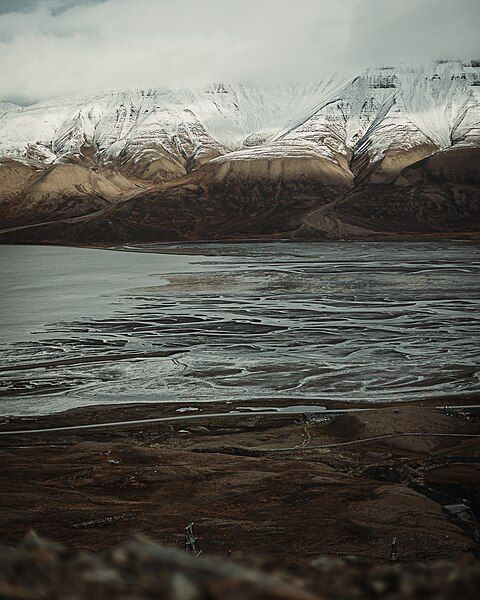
x=55 y=47
x=56 y=7
x=7 y=6
x=413 y=30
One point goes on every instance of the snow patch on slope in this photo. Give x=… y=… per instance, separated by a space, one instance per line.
x=372 y=112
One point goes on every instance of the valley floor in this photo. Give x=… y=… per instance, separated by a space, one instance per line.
x=312 y=490
x=288 y=487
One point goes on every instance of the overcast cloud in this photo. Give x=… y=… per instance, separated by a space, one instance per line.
x=55 y=47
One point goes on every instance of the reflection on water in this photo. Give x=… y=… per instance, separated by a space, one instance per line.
x=340 y=321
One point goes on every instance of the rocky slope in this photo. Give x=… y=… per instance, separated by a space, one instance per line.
x=387 y=150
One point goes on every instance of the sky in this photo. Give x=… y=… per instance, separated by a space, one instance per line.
x=57 y=47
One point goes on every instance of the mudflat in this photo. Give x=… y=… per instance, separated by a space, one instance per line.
x=308 y=323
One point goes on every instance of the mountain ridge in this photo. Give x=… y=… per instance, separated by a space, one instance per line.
x=251 y=148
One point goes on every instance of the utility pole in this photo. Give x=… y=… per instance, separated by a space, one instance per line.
x=394 y=552
x=191 y=542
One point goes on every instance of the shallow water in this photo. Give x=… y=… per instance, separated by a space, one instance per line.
x=348 y=321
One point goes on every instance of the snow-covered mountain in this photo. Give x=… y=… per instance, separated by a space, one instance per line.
x=373 y=111
x=346 y=131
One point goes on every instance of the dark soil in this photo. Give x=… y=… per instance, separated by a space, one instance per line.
x=254 y=485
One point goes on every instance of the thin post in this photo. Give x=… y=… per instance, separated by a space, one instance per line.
x=191 y=542
x=394 y=552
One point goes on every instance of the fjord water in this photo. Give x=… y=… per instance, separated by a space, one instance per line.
x=254 y=322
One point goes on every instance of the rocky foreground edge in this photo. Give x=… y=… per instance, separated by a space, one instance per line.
x=139 y=568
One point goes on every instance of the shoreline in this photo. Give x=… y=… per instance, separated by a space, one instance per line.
x=473 y=237
x=61 y=421
x=149 y=410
